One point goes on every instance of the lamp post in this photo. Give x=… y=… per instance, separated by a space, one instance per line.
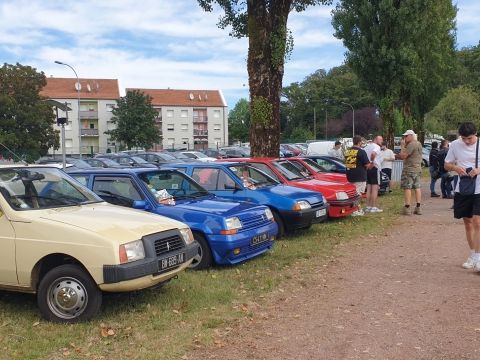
x=78 y=87
x=353 y=118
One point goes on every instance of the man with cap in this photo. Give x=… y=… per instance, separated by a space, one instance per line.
x=411 y=154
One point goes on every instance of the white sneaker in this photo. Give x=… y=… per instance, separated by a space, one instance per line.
x=358 y=213
x=476 y=265
x=368 y=209
x=469 y=264
x=376 y=210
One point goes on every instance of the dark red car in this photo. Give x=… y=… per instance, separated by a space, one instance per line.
x=317 y=171
x=342 y=197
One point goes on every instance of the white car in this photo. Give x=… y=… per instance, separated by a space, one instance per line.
x=197 y=155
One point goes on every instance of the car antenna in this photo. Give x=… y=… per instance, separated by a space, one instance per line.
x=18 y=157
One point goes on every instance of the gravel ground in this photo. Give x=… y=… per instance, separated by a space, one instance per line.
x=401 y=294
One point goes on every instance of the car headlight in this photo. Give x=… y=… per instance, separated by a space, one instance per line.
x=268 y=214
x=341 y=195
x=232 y=226
x=324 y=199
x=187 y=235
x=301 y=205
x=131 y=251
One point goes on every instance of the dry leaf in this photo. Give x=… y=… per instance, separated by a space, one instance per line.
x=36 y=323
x=176 y=311
x=110 y=332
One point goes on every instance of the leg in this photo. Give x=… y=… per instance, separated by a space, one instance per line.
x=418 y=195
x=374 y=195
x=369 y=195
x=407 y=194
x=469 y=232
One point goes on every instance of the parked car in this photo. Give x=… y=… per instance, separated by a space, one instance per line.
x=128 y=160
x=197 y=155
x=75 y=163
x=236 y=151
x=295 y=150
x=102 y=163
x=317 y=171
x=157 y=158
x=62 y=242
x=425 y=156
x=181 y=157
x=292 y=208
x=228 y=232
x=285 y=152
x=342 y=198
x=215 y=153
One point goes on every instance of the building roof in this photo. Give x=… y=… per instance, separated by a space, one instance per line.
x=64 y=88
x=190 y=98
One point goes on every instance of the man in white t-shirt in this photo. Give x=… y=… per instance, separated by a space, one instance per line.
x=373 y=173
x=461 y=159
x=388 y=157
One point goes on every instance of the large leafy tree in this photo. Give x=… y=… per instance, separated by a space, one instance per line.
x=26 y=121
x=264 y=22
x=468 y=67
x=401 y=51
x=135 y=116
x=239 y=122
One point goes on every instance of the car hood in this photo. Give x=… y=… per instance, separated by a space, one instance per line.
x=292 y=192
x=214 y=205
x=103 y=219
x=327 y=188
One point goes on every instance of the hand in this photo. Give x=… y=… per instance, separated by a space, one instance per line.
x=473 y=172
x=460 y=170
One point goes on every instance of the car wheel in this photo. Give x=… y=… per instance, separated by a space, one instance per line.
x=280 y=224
x=68 y=294
x=204 y=258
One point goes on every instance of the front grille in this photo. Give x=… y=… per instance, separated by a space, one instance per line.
x=250 y=221
x=168 y=244
x=352 y=193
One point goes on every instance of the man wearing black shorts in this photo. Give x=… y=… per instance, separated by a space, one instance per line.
x=461 y=159
x=373 y=174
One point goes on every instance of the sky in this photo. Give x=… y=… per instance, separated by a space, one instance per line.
x=163 y=44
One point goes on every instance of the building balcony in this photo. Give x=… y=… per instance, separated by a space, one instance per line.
x=92 y=114
x=197 y=132
x=89 y=132
x=200 y=119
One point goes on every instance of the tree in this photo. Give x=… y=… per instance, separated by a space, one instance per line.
x=400 y=50
x=459 y=105
x=468 y=68
x=239 y=122
x=264 y=22
x=26 y=121
x=135 y=116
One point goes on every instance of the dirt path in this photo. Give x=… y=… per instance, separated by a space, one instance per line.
x=399 y=295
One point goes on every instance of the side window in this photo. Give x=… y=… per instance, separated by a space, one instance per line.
x=225 y=182
x=116 y=190
x=206 y=177
x=124 y=161
x=82 y=179
x=265 y=169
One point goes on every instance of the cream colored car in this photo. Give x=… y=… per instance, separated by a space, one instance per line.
x=62 y=242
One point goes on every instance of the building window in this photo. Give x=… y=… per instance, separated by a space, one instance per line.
x=68 y=143
x=170 y=141
x=169 y=113
x=184 y=127
x=185 y=142
x=184 y=113
x=217 y=141
x=110 y=107
x=216 y=127
x=170 y=127
x=216 y=114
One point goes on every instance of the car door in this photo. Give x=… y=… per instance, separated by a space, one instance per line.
x=8 y=266
x=219 y=182
x=117 y=190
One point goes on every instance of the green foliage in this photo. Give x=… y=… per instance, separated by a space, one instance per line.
x=135 y=116
x=459 y=105
x=262 y=111
x=239 y=122
x=467 y=71
x=26 y=121
x=282 y=45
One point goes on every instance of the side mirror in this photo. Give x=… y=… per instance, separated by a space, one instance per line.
x=140 y=204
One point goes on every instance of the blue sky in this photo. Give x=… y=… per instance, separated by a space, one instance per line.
x=166 y=43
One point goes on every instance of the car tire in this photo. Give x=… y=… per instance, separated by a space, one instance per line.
x=204 y=258
x=68 y=294
x=280 y=224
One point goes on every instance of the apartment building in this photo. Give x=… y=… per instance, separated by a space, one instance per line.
x=91 y=102
x=190 y=119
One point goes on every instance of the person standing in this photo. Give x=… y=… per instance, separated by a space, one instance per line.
x=411 y=154
x=445 y=176
x=356 y=161
x=461 y=159
x=337 y=151
x=373 y=173
x=434 y=168
x=388 y=157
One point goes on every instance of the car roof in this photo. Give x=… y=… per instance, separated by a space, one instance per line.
x=118 y=170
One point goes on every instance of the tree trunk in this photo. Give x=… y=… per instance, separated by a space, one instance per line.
x=267 y=34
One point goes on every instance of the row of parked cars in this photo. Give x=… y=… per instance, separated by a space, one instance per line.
x=110 y=226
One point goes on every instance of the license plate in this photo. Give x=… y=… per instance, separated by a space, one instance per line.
x=321 y=212
x=171 y=261
x=258 y=239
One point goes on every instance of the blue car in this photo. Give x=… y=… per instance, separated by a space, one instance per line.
x=228 y=231
x=293 y=208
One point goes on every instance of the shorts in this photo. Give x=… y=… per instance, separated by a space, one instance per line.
x=373 y=176
x=361 y=186
x=410 y=180
x=388 y=172
x=466 y=205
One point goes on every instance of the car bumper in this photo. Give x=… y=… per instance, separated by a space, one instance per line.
x=234 y=249
x=342 y=208
x=148 y=272
x=303 y=219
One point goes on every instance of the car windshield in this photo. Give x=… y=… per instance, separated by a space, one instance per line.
x=179 y=156
x=174 y=183
x=289 y=170
x=42 y=188
x=252 y=177
x=167 y=157
x=139 y=160
x=198 y=154
x=314 y=165
x=110 y=163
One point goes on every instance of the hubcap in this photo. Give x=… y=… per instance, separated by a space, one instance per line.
x=67 y=298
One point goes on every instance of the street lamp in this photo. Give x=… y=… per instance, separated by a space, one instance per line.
x=78 y=87
x=353 y=118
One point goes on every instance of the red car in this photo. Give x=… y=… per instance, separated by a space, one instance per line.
x=342 y=198
x=317 y=171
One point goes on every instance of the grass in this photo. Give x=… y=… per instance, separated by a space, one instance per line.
x=188 y=311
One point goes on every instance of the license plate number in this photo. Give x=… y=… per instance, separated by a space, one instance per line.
x=258 y=239
x=321 y=212
x=172 y=261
